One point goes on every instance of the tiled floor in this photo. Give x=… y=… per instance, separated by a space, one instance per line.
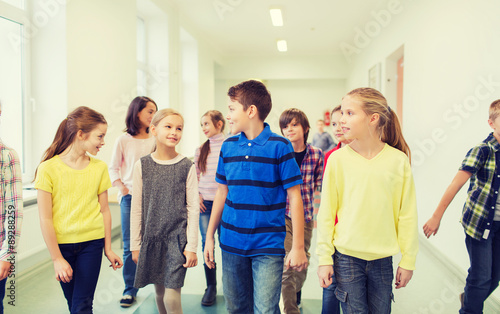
x=433 y=289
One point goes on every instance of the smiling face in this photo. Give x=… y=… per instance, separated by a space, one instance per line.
x=337 y=127
x=208 y=127
x=237 y=117
x=94 y=140
x=294 y=132
x=355 y=122
x=146 y=114
x=168 y=132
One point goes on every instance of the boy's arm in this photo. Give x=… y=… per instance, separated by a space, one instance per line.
x=297 y=258
x=215 y=217
x=432 y=225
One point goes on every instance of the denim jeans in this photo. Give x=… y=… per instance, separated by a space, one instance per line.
x=204 y=220
x=85 y=260
x=2 y=292
x=364 y=286
x=484 y=271
x=252 y=284
x=331 y=305
x=128 y=264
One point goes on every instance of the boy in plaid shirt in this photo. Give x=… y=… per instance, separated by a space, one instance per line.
x=295 y=127
x=480 y=216
x=11 y=212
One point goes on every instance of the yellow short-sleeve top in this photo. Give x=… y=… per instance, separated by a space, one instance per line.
x=76 y=212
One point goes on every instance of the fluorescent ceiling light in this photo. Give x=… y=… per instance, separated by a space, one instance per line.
x=282 y=47
x=276 y=17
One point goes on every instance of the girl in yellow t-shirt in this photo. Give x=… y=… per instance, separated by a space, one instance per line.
x=73 y=203
x=369 y=186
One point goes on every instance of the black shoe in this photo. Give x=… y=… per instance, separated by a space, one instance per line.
x=127 y=301
x=209 y=296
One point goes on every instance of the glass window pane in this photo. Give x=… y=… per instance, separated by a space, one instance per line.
x=17 y=3
x=141 y=40
x=11 y=86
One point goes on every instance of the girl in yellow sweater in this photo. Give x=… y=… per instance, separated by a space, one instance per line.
x=369 y=186
x=73 y=204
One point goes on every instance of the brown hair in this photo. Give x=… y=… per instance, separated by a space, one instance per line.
x=287 y=117
x=133 y=125
x=494 y=109
x=252 y=93
x=215 y=116
x=388 y=126
x=338 y=108
x=82 y=118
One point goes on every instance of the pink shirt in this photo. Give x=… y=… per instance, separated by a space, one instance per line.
x=207 y=185
x=126 y=152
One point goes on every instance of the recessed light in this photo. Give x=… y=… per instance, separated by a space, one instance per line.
x=282 y=46
x=276 y=17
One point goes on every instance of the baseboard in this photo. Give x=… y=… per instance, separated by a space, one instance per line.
x=455 y=271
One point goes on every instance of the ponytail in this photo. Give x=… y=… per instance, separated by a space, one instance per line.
x=82 y=118
x=389 y=127
x=202 y=160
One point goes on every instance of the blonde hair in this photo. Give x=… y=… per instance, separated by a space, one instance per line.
x=494 y=109
x=163 y=113
x=388 y=127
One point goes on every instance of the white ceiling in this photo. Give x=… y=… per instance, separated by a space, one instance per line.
x=244 y=28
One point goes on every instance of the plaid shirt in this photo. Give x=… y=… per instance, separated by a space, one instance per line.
x=482 y=161
x=11 y=202
x=311 y=170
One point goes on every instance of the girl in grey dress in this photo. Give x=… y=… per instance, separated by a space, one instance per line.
x=165 y=214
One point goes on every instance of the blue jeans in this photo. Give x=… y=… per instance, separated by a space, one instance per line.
x=129 y=266
x=331 y=305
x=252 y=284
x=364 y=286
x=2 y=292
x=85 y=260
x=484 y=271
x=204 y=220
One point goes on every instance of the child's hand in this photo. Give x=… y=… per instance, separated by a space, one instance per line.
x=191 y=259
x=431 y=226
x=135 y=256
x=403 y=277
x=124 y=190
x=209 y=252
x=296 y=259
x=4 y=269
x=202 y=206
x=325 y=274
x=63 y=270
x=116 y=262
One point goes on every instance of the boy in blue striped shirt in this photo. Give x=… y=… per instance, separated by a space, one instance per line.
x=256 y=173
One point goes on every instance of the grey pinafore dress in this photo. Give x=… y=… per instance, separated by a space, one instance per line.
x=164 y=222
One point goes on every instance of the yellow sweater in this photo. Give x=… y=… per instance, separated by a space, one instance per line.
x=76 y=212
x=376 y=207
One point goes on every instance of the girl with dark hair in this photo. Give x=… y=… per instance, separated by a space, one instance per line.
x=73 y=204
x=130 y=147
x=205 y=159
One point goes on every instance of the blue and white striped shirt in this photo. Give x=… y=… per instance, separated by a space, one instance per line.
x=257 y=173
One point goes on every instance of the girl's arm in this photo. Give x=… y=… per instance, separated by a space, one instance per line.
x=63 y=270
x=297 y=258
x=136 y=212
x=115 y=165
x=116 y=262
x=215 y=217
x=198 y=172
x=193 y=218
x=432 y=225
x=326 y=227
